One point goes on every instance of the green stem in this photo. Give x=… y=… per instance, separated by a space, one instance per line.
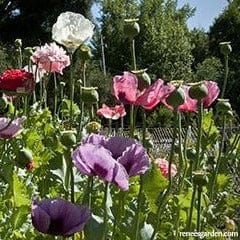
x=139 y=201
x=163 y=199
x=225 y=76
x=189 y=225
x=215 y=172
x=72 y=86
x=105 y=217
x=132 y=124
x=134 y=64
x=55 y=96
x=199 y=197
x=199 y=137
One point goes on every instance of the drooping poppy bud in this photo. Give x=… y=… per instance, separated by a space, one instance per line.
x=84 y=52
x=223 y=105
x=93 y=127
x=18 y=43
x=200 y=178
x=23 y=158
x=131 y=28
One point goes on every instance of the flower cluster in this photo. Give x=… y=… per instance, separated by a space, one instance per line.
x=113 y=159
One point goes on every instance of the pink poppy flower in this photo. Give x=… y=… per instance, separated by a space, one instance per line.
x=190 y=105
x=163 y=167
x=213 y=92
x=125 y=89
x=112 y=112
x=14 y=128
x=51 y=58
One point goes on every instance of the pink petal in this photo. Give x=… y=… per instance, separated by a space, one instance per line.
x=125 y=88
x=213 y=92
x=190 y=105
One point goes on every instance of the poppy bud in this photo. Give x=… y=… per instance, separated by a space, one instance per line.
x=200 y=178
x=198 y=91
x=89 y=95
x=23 y=158
x=3 y=104
x=191 y=154
x=229 y=114
x=62 y=84
x=93 y=127
x=84 y=52
x=28 y=51
x=223 y=105
x=230 y=224
x=131 y=28
x=225 y=48
x=148 y=143
x=143 y=79
x=176 y=98
x=68 y=138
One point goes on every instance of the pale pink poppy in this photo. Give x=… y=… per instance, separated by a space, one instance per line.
x=125 y=89
x=51 y=58
x=10 y=129
x=112 y=112
x=213 y=92
x=163 y=164
x=190 y=105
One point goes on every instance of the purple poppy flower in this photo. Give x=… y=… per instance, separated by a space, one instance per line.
x=113 y=159
x=59 y=217
x=14 y=128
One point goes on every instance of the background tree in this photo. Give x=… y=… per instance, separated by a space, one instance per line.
x=226 y=28
x=32 y=20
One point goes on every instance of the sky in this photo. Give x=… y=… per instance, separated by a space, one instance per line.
x=206 y=12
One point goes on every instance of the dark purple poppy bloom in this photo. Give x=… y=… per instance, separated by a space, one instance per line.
x=113 y=159
x=59 y=217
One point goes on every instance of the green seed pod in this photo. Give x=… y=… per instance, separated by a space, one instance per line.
x=131 y=28
x=223 y=105
x=200 y=178
x=84 y=52
x=176 y=98
x=23 y=157
x=225 y=48
x=93 y=127
x=198 y=91
x=144 y=79
x=68 y=138
x=89 y=95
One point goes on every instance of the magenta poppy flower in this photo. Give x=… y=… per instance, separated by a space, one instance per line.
x=59 y=217
x=213 y=92
x=189 y=105
x=125 y=89
x=163 y=167
x=112 y=112
x=51 y=58
x=10 y=129
x=113 y=159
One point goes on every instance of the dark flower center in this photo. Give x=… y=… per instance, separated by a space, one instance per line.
x=99 y=170
x=56 y=227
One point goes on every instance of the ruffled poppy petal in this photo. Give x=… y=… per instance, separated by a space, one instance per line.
x=125 y=88
x=213 y=92
x=190 y=105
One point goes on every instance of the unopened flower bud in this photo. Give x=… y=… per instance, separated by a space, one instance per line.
x=3 y=104
x=229 y=114
x=68 y=138
x=223 y=105
x=131 y=28
x=176 y=98
x=28 y=51
x=93 y=127
x=225 y=48
x=191 y=154
x=143 y=79
x=62 y=84
x=200 y=178
x=230 y=224
x=23 y=158
x=18 y=43
x=198 y=91
x=89 y=95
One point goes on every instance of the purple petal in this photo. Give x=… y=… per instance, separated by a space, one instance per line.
x=40 y=218
x=117 y=145
x=95 y=139
x=135 y=160
x=120 y=177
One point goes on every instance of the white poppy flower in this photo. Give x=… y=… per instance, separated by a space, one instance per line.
x=71 y=30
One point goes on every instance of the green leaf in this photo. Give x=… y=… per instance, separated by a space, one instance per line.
x=20 y=196
x=153 y=184
x=222 y=182
x=19 y=216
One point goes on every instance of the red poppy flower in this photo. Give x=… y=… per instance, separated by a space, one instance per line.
x=17 y=80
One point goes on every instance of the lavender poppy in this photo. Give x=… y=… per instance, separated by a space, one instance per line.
x=112 y=159
x=59 y=217
x=10 y=129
